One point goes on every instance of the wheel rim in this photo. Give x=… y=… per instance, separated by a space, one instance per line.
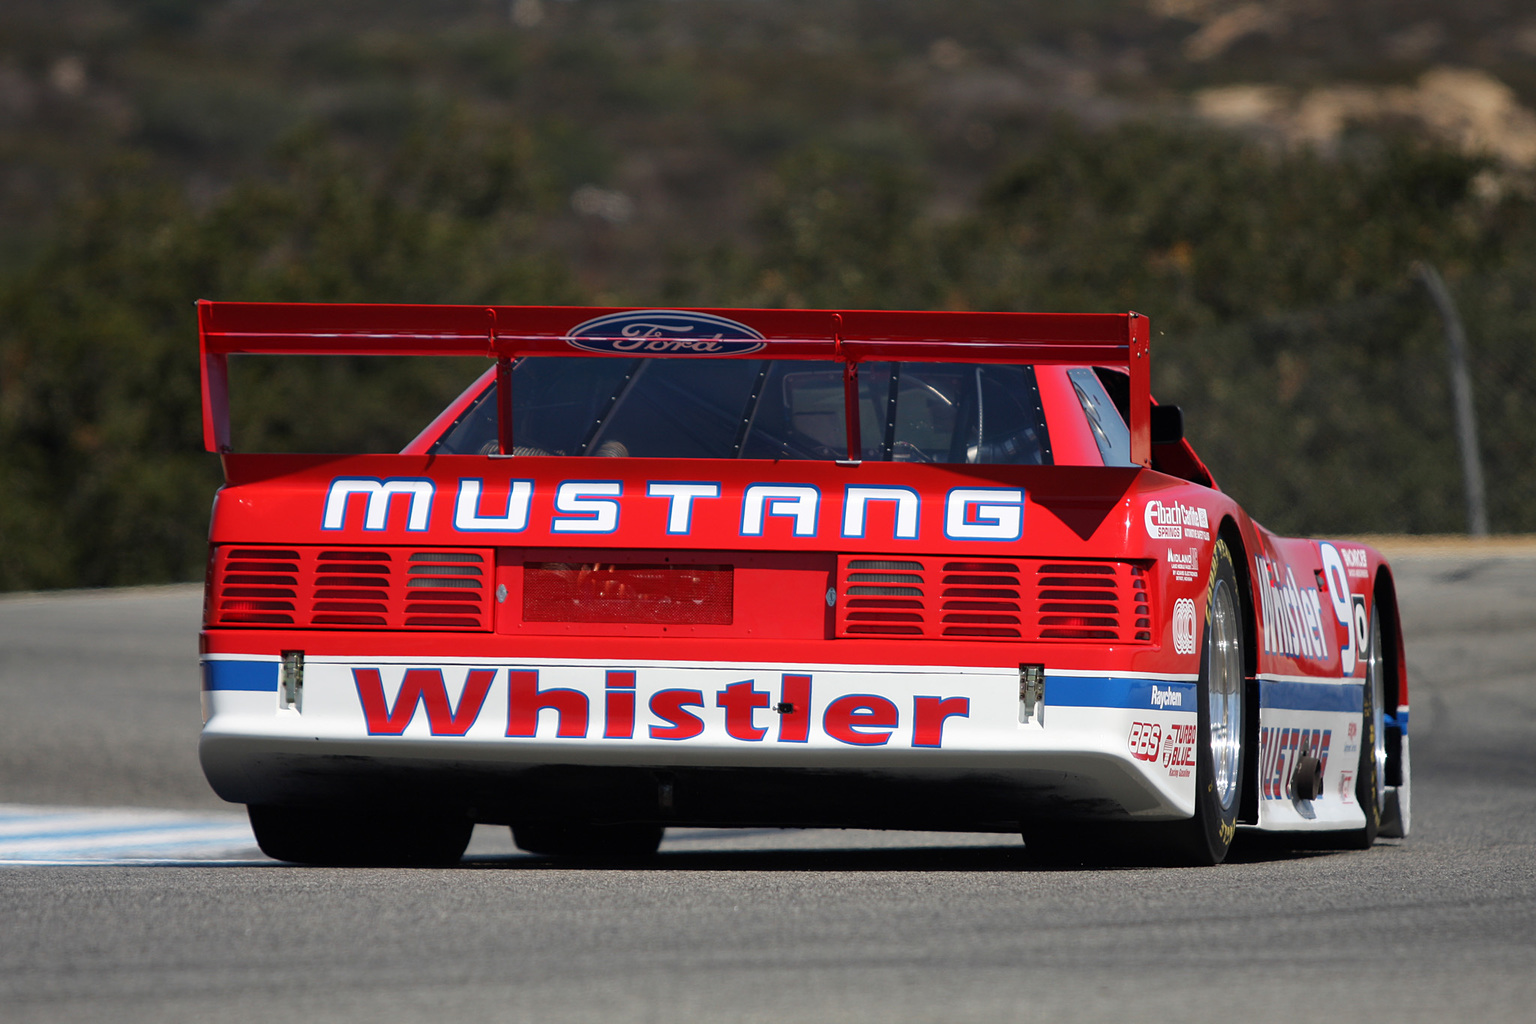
x=1376 y=680
x=1224 y=695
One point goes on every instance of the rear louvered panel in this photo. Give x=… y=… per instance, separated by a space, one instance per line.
x=256 y=586
x=982 y=599
x=993 y=599
x=882 y=597
x=448 y=590
x=1092 y=601
x=352 y=588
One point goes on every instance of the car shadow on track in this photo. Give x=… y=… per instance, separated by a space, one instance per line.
x=1014 y=859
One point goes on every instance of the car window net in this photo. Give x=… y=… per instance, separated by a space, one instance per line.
x=762 y=409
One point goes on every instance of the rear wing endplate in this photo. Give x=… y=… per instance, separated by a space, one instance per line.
x=504 y=333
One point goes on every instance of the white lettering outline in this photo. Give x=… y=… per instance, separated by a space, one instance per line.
x=856 y=498
x=800 y=502
x=680 y=495
x=998 y=515
x=587 y=506
x=380 y=496
x=466 y=508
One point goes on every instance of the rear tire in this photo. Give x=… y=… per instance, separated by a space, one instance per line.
x=333 y=837
x=1206 y=838
x=1370 y=781
x=589 y=842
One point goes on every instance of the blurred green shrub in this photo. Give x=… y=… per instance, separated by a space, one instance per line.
x=100 y=436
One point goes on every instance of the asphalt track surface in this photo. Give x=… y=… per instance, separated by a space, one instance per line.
x=99 y=708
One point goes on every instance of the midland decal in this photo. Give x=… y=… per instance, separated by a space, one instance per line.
x=786 y=707
x=665 y=332
x=679 y=508
x=1185 y=565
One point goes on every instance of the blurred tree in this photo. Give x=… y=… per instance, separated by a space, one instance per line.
x=100 y=442
x=783 y=154
x=1312 y=372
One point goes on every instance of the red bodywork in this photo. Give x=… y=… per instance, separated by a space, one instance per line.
x=496 y=557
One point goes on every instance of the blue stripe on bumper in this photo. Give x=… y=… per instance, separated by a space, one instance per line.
x=1110 y=692
x=260 y=676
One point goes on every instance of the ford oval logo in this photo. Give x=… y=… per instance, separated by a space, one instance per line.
x=674 y=332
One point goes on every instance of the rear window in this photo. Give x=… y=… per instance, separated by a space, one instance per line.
x=762 y=409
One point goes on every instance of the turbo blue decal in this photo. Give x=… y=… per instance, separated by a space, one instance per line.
x=665 y=332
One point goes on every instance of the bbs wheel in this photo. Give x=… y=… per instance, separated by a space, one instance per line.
x=1206 y=837
x=583 y=841
x=324 y=836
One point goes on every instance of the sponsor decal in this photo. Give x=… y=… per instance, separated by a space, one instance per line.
x=1176 y=521
x=1169 y=698
x=1347 y=788
x=1278 y=750
x=1183 y=626
x=665 y=332
x=746 y=711
x=1354 y=622
x=1184 y=566
x=1179 y=750
x=1146 y=740
x=1356 y=562
x=1292 y=617
x=1354 y=730
x=1172 y=747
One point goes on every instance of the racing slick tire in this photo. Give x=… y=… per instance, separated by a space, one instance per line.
x=1206 y=838
x=582 y=841
x=334 y=837
x=1370 y=779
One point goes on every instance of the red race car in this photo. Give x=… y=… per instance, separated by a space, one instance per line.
x=777 y=568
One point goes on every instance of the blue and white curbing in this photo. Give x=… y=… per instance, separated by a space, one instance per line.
x=32 y=835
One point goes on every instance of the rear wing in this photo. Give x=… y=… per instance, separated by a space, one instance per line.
x=505 y=333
